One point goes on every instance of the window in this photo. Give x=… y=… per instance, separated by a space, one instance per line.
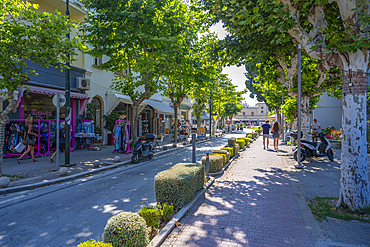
x=261 y=107
x=97 y=61
x=261 y=112
x=243 y=113
x=252 y=113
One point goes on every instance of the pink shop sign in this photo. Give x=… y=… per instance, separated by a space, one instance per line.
x=41 y=113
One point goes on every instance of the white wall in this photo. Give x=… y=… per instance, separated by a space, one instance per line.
x=328 y=112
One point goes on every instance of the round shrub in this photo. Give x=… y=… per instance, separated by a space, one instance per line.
x=126 y=229
x=241 y=143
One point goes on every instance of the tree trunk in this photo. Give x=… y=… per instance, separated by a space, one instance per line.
x=175 y=107
x=135 y=126
x=4 y=119
x=198 y=116
x=305 y=116
x=354 y=191
x=278 y=116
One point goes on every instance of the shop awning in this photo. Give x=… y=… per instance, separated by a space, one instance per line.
x=161 y=107
x=204 y=117
x=114 y=98
x=49 y=91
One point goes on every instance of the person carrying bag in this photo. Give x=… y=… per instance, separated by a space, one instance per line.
x=29 y=139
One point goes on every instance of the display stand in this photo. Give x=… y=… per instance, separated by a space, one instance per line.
x=86 y=134
x=124 y=122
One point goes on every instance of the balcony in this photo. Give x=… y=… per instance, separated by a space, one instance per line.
x=76 y=8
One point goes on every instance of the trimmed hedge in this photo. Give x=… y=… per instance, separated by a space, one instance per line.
x=126 y=229
x=231 y=142
x=245 y=139
x=223 y=155
x=179 y=184
x=216 y=162
x=225 y=152
x=236 y=148
x=254 y=134
x=230 y=150
x=241 y=143
x=250 y=136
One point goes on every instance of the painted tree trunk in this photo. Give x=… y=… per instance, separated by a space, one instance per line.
x=175 y=106
x=4 y=119
x=354 y=191
x=135 y=126
x=305 y=116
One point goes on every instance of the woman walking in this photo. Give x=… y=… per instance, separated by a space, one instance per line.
x=276 y=134
x=29 y=138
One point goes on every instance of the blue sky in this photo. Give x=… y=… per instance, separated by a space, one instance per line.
x=236 y=74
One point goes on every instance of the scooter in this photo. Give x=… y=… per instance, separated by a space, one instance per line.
x=143 y=148
x=311 y=149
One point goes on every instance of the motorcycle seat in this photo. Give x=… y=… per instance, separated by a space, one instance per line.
x=311 y=143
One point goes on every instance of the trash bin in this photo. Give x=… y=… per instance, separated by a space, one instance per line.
x=110 y=138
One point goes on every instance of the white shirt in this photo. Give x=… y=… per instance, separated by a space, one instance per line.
x=315 y=126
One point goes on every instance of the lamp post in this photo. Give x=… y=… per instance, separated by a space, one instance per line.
x=68 y=100
x=210 y=115
x=299 y=164
x=282 y=118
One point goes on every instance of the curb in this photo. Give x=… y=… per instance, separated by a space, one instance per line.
x=83 y=174
x=161 y=236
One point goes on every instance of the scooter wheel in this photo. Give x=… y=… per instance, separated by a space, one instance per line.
x=303 y=157
x=331 y=155
x=150 y=156
x=135 y=158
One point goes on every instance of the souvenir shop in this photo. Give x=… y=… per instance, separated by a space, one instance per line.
x=145 y=125
x=37 y=102
x=122 y=136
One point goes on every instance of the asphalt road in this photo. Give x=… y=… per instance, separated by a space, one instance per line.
x=73 y=212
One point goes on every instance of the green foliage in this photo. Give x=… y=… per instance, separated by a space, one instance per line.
x=230 y=150
x=179 y=184
x=241 y=143
x=223 y=155
x=236 y=148
x=110 y=120
x=91 y=110
x=166 y=211
x=225 y=152
x=232 y=108
x=250 y=135
x=323 y=207
x=126 y=229
x=93 y=243
x=245 y=139
x=250 y=140
x=98 y=130
x=216 y=163
x=150 y=215
x=231 y=141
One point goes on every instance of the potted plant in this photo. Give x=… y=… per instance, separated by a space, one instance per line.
x=110 y=121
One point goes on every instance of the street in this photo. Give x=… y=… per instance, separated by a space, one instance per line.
x=73 y=212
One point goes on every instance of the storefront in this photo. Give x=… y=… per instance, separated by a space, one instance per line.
x=185 y=112
x=159 y=117
x=145 y=125
x=37 y=102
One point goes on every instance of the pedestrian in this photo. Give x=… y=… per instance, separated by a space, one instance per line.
x=62 y=141
x=29 y=139
x=315 y=130
x=266 y=132
x=276 y=134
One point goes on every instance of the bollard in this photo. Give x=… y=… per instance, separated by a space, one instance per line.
x=207 y=165
x=193 y=139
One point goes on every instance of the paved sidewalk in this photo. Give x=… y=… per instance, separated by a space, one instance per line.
x=251 y=204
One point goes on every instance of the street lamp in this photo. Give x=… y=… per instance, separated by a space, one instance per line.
x=68 y=100
x=210 y=115
x=299 y=164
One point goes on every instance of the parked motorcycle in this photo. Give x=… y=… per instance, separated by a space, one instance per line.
x=143 y=148
x=311 y=149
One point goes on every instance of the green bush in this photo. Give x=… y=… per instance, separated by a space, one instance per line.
x=230 y=150
x=179 y=184
x=254 y=135
x=154 y=216
x=150 y=215
x=126 y=229
x=225 y=152
x=93 y=243
x=236 y=149
x=245 y=139
x=231 y=141
x=223 y=155
x=241 y=143
x=250 y=140
x=215 y=163
x=250 y=136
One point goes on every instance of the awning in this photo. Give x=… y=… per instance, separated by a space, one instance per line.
x=161 y=107
x=49 y=91
x=114 y=98
x=204 y=117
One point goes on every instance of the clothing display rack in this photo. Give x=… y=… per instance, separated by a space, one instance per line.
x=85 y=134
x=122 y=136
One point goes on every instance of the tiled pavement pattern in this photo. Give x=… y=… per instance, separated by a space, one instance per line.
x=322 y=178
x=252 y=204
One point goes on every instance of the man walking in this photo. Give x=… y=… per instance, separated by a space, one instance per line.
x=315 y=130
x=265 y=131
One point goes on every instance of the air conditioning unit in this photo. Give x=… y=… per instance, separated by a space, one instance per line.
x=83 y=83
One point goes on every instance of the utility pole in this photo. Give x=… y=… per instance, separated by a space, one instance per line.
x=299 y=164
x=68 y=100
